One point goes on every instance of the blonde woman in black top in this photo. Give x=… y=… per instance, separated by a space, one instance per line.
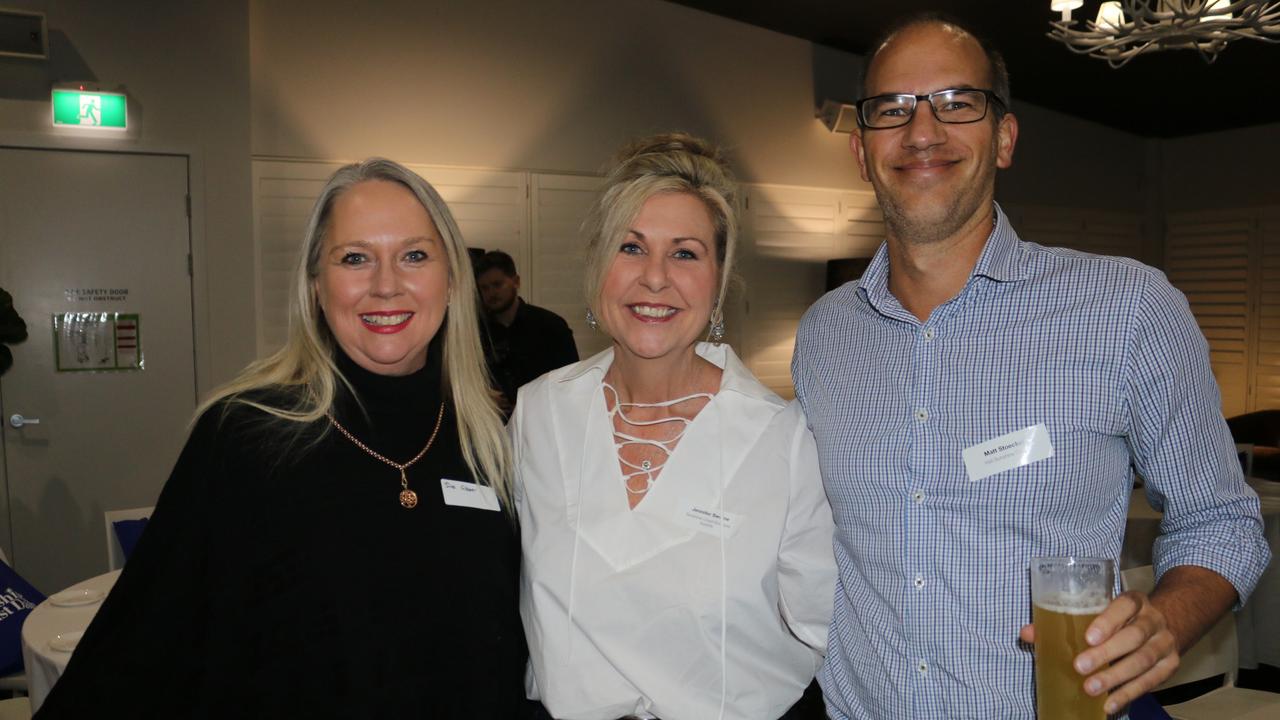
x=334 y=540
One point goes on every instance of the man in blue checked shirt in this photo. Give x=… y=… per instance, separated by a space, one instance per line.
x=979 y=400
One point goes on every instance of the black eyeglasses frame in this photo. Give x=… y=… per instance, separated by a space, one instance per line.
x=989 y=94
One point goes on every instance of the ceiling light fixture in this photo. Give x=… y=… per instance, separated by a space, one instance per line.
x=1125 y=30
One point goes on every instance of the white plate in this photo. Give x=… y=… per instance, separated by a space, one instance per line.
x=75 y=598
x=66 y=642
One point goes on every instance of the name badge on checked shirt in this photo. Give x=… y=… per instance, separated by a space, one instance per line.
x=1018 y=448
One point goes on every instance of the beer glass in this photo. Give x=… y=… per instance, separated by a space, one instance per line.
x=1067 y=593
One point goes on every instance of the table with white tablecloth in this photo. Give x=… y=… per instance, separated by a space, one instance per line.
x=1258 y=623
x=48 y=628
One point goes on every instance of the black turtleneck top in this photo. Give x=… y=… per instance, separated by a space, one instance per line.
x=280 y=577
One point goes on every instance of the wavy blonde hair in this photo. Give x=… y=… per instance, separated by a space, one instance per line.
x=666 y=163
x=305 y=364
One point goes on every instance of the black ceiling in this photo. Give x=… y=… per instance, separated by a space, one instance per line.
x=1158 y=94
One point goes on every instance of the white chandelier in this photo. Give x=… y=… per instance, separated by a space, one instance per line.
x=1125 y=30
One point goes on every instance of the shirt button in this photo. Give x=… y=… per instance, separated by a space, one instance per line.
x=923 y=667
x=922 y=414
x=928 y=333
x=919 y=582
x=917 y=497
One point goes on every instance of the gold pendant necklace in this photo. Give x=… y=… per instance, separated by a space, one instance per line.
x=408 y=498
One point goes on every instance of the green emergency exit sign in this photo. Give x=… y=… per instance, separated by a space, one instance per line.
x=96 y=110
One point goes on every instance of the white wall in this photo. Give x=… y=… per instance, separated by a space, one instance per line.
x=1062 y=161
x=1231 y=169
x=555 y=85
x=185 y=66
x=558 y=85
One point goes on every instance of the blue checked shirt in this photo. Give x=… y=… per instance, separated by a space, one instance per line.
x=934 y=581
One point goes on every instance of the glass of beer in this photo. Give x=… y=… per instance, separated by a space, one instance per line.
x=1067 y=593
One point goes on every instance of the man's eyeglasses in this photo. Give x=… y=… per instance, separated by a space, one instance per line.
x=955 y=106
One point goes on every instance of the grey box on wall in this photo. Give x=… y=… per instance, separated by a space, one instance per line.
x=23 y=34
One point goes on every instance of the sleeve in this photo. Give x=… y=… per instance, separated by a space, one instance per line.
x=142 y=654
x=1183 y=449
x=806 y=559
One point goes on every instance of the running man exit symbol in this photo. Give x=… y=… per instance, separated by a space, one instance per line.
x=90 y=110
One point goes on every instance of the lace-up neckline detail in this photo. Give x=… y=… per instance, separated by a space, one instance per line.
x=642 y=459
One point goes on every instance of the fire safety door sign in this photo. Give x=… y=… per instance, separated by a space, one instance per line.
x=89 y=341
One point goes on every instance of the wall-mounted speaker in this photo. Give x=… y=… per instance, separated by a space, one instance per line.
x=838 y=117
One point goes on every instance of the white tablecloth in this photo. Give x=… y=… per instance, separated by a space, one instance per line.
x=1258 y=623
x=44 y=664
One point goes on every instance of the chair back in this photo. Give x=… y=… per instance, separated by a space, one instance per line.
x=115 y=551
x=1217 y=653
x=1244 y=451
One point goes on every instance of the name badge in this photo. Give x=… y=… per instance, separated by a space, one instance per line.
x=1018 y=448
x=465 y=494
x=707 y=519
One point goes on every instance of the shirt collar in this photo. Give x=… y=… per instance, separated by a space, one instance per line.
x=736 y=377
x=1000 y=260
x=1001 y=257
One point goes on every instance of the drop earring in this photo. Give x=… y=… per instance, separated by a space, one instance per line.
x=717 y=329
x=591 y=320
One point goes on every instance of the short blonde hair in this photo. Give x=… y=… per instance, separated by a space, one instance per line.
x=306 y=362
x=667 y=163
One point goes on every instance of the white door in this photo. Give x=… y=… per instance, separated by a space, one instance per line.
x=91 y=232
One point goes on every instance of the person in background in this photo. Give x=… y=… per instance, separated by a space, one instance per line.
x=962 y=342
x=336 y=538
x=525 y=340
x=677 y=542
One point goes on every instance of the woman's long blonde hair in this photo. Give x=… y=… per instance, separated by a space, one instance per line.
x=305 y=364
x=666 y=163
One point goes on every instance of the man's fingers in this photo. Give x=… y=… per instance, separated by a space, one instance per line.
x=1125 y=694
x=1118 y=613
x=1136 y=657
x=1028 y=634
x=1136 y=637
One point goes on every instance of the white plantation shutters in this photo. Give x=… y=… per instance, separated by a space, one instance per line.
x=559 y=205
x=789 y=234
x=1266 y=331
x=1226 y=262
x=1207 y=258
x=283 y=194
x=1094 y=231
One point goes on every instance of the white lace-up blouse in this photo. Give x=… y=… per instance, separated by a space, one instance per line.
x=711 y=598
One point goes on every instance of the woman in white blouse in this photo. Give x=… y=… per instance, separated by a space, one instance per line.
x=677 y=540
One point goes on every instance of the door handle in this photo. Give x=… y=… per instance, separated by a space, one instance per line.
x=18 y=421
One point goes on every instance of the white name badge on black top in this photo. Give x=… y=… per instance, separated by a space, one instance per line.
x=1018 y=448
x=465 y=494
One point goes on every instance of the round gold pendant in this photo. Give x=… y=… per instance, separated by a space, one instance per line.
x=408 y=499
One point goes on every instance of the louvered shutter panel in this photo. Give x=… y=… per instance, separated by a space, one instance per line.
x=863 y=225
x=1092 y=231
x=1111 y=234
x=283 y=193
x=1266 y=379
x=1207 y=258
x=560 y=205
x=490 y=206
x=789 y=234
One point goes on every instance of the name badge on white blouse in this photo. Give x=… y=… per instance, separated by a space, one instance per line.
x=471 y=495
x=707 y=518
x=1018 y=448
